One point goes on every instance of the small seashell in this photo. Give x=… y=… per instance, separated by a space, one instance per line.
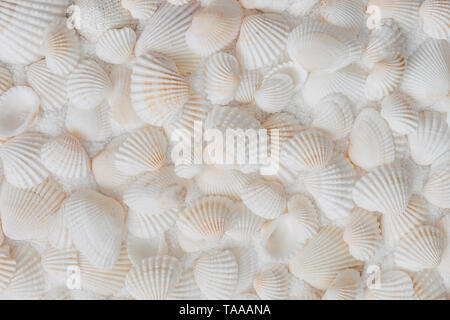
x=153 y=278
x=428 y=285
x=88 y=85
x=392 y=285
x=435 y=16
x=7 y=266
x=141 y=9
x=262 y=40
x=333 y=115
x=214 y=26
x=371 y=143
x=273 y=283
x=116 y=45
x=399 y=114
x=319 y=46
x=275 y=93
x=6 y=79
x=346 y=286
x=293 y=70
x=18 y=106
x=213 y=180
x=247 y=260
x=139 y=249
x=362 y=234
x=322 y=258
x=222 y=77
x=284 y=125
x=385 y=77
x=244 y=225
x=150 y=225
x=57 y=233
x=186 y=288
x=307 y=219
x=437 y=187
x=250 y=81
x=404 y=12
x=57 y=262
x=347 y=14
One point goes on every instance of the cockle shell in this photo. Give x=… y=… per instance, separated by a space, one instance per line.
x=153 y=278
x=273 y=283
x=58 y=261
x=275 y=93
x=282 y=125
x=391 y=285
x=7 y=266
x=150 y=225
x=262 y=40
x=6 y=79
x=346 y=286
x=57 y=233
x=428 y=285
x=18 y=107
x=306 y=216
x=404 y=12
x=371 y=142
x=322 y=258
x=139 y=249
x=437 y=186
x=399 y=114
x=186 y=288
x=295 y=71
x=347 y=14
x=140 y=9
x=244 y=225
x=250 y=81
x=435 y=16
x=214 y=26
x=444 y=223
x=116 y=45
x=247 y=260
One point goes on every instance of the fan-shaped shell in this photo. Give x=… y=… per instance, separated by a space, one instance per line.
x=435 y=15
x=275 y=93
x=428 y=285
x=140 y=9
x=284 y=125
x=250 y=81
x=437 y=187
x=273 y=283
x=91 y=125
x=150 y=225
x=306 y=216
x=57 y=261
x=186 y=288
x=244 y=225
x=404 y=12
x=57 y=233
x=139 y=249
x=346 y=286
x=397 y=111
x=392 y=285
x=7 y=266
x=347 y=14
x=6 y=79
x=116 y=45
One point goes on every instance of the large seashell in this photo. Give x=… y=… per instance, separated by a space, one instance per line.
x=275 y=93
x=347 y=14
x=273 y=283
x=431 y=139
x=331 y=187
x=65 y=157
x=435 y=16
x=6 y=79
x=139 y=249
x=437 y=187
x=116 y=45
x=392 y=285
x=427 y=75
x=222 y=77
x=50 y=87
x=216 y=274
x=21 y=160
x=319 y=46
x=404 y=12
x=250 y=81
x=7 y=266
x=57 y=262
x=428 y=285
x=96 y=223
x=214 y=26
x=150 y=225
x=385 y=77
x=399 y=114
x=362 y=234
x=141 y=9
x=371 y=142
x=244 y=225
x=88 y=85
x=322 y=258
x=25 y=212
x=57 y=233
x=334 y=115
x=265 y=198
x=158 y=92
x=18 y=106
x=346 y=286
x=213 y=180
x=262 y=40
x=153 y=278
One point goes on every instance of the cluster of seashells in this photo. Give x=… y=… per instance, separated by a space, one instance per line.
x=93 y=207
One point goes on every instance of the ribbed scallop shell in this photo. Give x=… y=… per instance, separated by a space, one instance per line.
x=116 y=45
x=404 y=12
x=306 y=216
x=139 y=249
x=282 y=124
x=65 y=157
x=214 y=26
x=221 y=78
x=158 y=91
x=435 y=15
x=216 y=274
x=150 y=225
x=21 y=160
x=244 y=225
x=371 y=143
x=7 y=266
x=153 y=278
x=346 y=286
x=273 y=283
x=6 y=79
x=362 y=234
x=322 y=258
x=275 y=93
x=96 y=223
x=18 y=107
x=333 y=114
x=250 y=81
x=444 y=223
x=319 y=46
x=140 y=9
x=428 y=285
x=437 y=186
x=186 y=288
x=57 y=233
x=347 y=14
x=213 y=180
x=91 y=125
x=265 y=198
x=331 y=187
x=385 y=77
x=392 y=285
x=58 y=261
x=431 y=139
x=88 y=85
x=399 y=114
x=262 y=40
x=295 y=71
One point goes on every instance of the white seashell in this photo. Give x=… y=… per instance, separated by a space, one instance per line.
x=18 y=106
x=431 y=139
x=273 y=283
x=385 y=77
x=334 y=115
x=392 y=285
x=216 y=274
x=266 y=5
x=88 y=85
x=275 y=93
x=404 y=12
x=50 y=87
x=214 y=26
x=250 y=81
x=6 y=79
x=306 y=216
x=427 y=75
x=158 y=91
x=21 y=160
x=399 y=114
x=347 y=14
x=247 y=260
x=141 y=9
x=186 y=288
x=244 y=225
x=139 y=249
x=57 y=262
x=265 y=198
x=435 y=16
x=444 y=223
x=284 y=125
x=437 y=187
x=7 y=266
x=293 y=70
x=221 y=78
x=96 y=223
x=65 y=157
x=57 y=233
x=319 y=46
x=301 y=8
x=165 y=33
x=421 y=248
x=346 y=286
x=61 y=48
x=262 y=40
x=371 y=142
x=322 y=258
x=331 y=187
x=153 y=278
x=150 y=225
x=362 y=234
x=428 y=285
x=116 y=45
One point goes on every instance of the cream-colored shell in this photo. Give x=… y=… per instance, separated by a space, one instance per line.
x=116 y=45
x=140 y=9
x=435 y=16
x=437 y=186
x=347 y=14
x=404 y=12
x=391 y=285
x=6 y=79
x=273 y=283
x=346 y=286
x=428 y=285
x=399 y=114
x=7 y=266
